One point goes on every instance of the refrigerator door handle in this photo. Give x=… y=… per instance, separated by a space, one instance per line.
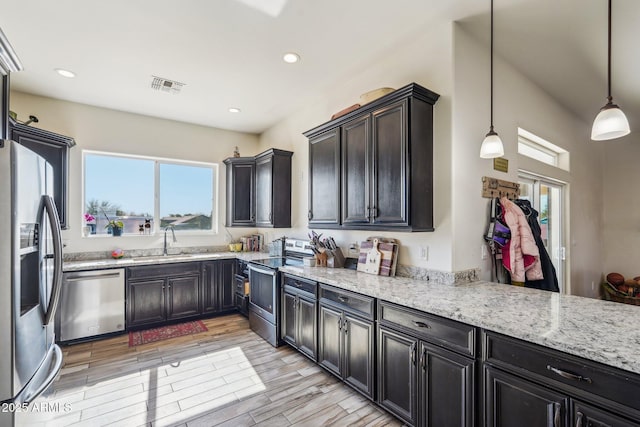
x=54 y=221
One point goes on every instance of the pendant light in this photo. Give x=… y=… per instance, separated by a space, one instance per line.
x=610 y=123
x=492 y=144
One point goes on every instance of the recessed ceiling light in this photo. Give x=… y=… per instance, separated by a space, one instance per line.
x=291 y=57
x=65 y=73
x=234 y=110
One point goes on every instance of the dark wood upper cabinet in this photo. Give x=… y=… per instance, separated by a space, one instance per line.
x=355 y=167
x=241 y=184
x=324 y=179
x=386 y=164
x=273 y=189
x=259 y=190
x=55 y=150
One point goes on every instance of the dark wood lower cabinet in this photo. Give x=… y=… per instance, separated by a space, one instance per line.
x=511 y=401
x=183 y=297
x=424 y=384
x=299 y=323
x=346 y=348
x=145 y=302
x=585 y=415
x=218 y=286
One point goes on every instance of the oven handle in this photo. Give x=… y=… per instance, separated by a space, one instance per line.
x=267 y=271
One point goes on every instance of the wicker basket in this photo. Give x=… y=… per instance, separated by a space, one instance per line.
x=612 y=294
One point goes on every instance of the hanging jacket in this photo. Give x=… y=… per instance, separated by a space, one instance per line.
x=550 y=280
x=521 y=257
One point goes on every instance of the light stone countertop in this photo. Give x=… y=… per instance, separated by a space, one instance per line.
x=157 y=259
x=602 y=331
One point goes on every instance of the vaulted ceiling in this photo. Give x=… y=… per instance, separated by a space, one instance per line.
x=228 y=53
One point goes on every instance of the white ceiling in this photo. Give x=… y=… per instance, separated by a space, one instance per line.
x=229 y=52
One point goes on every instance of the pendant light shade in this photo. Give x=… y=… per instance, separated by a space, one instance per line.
x=610 y=123
x=492 y=145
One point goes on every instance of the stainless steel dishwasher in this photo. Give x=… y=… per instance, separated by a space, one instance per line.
x=91 y=303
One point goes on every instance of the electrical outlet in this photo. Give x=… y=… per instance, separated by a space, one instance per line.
x=424 y=252
x=484 y=254
x=593 y=285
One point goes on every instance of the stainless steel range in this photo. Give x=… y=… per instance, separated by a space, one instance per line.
x=264 y=284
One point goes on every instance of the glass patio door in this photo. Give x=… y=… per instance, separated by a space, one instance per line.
x=547 y=196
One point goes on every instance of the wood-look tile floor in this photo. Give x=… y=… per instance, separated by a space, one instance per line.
x=227 y=376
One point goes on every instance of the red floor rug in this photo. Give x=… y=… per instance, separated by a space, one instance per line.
x=165 y=332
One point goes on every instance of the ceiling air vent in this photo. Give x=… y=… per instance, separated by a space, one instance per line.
x=166 y=85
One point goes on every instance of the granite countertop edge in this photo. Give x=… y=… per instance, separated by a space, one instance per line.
x=593 y=329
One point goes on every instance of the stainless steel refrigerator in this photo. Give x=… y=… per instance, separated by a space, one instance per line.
x=30 y=279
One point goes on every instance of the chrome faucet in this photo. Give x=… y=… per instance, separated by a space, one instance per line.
x=173 y=232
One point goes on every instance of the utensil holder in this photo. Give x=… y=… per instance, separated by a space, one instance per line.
x=335 y=258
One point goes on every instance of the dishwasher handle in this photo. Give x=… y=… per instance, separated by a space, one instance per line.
x=78 y=278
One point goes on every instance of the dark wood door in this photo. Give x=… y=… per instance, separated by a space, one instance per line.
x=210 y=294
x=397 y=374
x=226 y=271
x=307 y=310
x=358 y=354
x=585 y=415
x=183 y=296
x=355 y=170
x=511 y=401
x=264 y=191
x=241 y=181
x=288 y=318
x=330 y=340
x=390 y=165
x=146 y=302
x=218 y=286
x=55 y=150
x=324 y=179
x=446 y=388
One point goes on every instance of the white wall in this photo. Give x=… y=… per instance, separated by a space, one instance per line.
x=425 y=60
x=519 y=103
x=102 y=129
x=622 y=206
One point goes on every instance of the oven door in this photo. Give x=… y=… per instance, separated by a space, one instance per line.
x=263 y=292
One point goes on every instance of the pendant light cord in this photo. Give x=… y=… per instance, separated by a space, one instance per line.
x=491 y=61
x=609 y=98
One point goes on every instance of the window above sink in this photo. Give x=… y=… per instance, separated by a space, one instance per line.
x=147 y=194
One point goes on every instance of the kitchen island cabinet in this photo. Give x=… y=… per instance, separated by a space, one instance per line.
x=386 y=163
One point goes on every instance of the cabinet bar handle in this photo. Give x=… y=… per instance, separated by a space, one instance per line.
x=556 y=415
x=420 y=324
x=343 y=299
x=579 y=417
x=310 y=215
x=423 y=359
x=569 y=375
x=412 y=350
x=344 y=325
x=375 y=212
x=339 y=324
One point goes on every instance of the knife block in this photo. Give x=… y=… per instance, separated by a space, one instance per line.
x=335 y=258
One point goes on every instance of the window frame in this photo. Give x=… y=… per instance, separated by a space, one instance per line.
x=157 y=229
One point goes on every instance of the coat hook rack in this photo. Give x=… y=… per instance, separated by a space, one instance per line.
x=493 y=187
